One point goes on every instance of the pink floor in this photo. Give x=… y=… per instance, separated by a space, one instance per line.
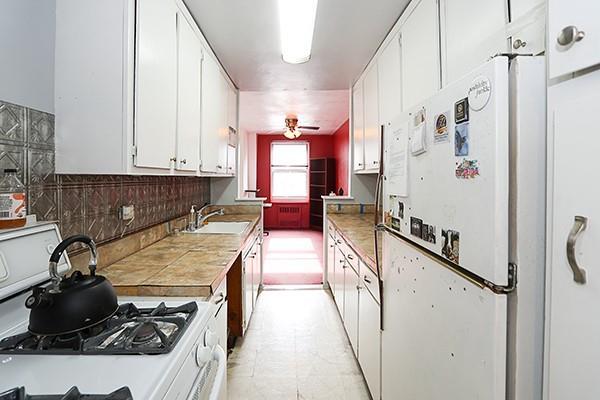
x=293 y=257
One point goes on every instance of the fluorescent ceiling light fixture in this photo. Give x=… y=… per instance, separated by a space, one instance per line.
x=296 y=26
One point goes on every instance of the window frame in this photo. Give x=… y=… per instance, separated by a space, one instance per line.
x=290 y=168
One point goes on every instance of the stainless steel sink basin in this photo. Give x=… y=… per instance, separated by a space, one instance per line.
x=235 y=228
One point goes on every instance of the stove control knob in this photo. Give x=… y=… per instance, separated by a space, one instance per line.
x=211 y=339
x=203 y=355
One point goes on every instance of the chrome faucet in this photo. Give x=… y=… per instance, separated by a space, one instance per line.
x=202 y=218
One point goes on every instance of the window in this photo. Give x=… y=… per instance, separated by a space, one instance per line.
x=289 y=171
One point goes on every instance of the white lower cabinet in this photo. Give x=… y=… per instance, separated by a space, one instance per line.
x=331 y=262
x=351 y=282
x=369 y=339
x=251 y=266
x=356 y=293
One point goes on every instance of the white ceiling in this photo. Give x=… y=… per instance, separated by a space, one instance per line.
x=264 y=112
x=245 y=36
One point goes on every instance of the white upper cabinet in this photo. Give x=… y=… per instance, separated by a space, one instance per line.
x=573 y=35
x=390 y=81
x=129 y=90
x=156 y=84
x=371 y=132
x=232 y=118
x=358 y=126
x=472 y=31
x=211 y=114
x=188 y=104
x=420 y=54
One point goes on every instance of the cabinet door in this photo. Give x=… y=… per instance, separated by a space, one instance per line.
x=420 y=54
x=331 y=263
x=156 y=83
x=472 y=32
x=351 y=282
x=371 y=98
x=369 y=341
x=390 y=81
x=189 y=91
x=212 y=98
x=578 y=50
x=248 y=297
x=223 y=130
x=339 y=279
x=358 y=126
x=256 y=265
x=572 y=319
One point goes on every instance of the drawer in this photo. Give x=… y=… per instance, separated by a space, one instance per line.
x=369 y=280
x=330 y=229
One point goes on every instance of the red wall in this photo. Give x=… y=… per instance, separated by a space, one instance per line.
x=341 y=141
x=319 y=146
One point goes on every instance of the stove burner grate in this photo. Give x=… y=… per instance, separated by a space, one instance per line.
x=73 y=394
x=129 y=331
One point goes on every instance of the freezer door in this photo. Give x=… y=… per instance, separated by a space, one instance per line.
x=447 y=167
x=444 y=337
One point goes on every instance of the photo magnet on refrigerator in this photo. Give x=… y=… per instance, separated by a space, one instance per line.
x=479 y=93
x=440 y=135
x=428 y=233
x=461 y=139
x=467 y=169
x=461 y=110
x=416 y=226
x=451 y=245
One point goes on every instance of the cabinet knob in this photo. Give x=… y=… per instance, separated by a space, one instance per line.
x=360 y=164
x=358 y=287
x=219 y=166
x=517 y=44
x=569 y=36
x=184 y=161
x=350 y=257
x=375 y=162
x=173 y=159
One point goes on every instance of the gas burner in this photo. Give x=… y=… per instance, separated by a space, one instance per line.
x=129 y=331
x=73 y=394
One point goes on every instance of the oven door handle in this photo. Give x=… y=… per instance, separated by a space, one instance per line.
x=219 y=388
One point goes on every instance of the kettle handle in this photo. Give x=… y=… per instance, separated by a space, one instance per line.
x=62 y=246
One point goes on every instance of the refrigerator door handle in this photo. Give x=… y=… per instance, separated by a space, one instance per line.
x=579 y=225
x=377 y=228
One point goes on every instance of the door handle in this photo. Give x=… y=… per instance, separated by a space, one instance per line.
x=579 y=226
x=569 y=36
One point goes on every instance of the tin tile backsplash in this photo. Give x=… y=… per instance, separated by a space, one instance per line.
x=87 y=204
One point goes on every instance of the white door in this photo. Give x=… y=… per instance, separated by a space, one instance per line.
x=351 y=282
x=372 y=129
x=573 y=35
x=212 y=98
x=369 y=340
x=472 y=31
x=189 y=92
x=358 y=126
x=572 y=318
x=156 y=84
x=390 y=81
x=420 y=54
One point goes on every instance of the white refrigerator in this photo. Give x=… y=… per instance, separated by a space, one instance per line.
x=463 y=221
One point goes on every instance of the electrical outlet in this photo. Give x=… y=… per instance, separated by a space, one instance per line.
x=127 y=212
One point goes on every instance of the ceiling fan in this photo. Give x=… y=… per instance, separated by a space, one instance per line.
x=292 y=129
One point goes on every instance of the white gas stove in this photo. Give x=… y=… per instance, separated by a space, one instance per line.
x=153 y=348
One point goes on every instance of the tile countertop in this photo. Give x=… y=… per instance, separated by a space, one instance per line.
x=357 y=230
x=181 y=265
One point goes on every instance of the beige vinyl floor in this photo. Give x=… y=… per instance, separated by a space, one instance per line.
x=295 y=349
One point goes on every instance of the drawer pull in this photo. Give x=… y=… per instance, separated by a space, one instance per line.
x=350 y=257
x=367 y=279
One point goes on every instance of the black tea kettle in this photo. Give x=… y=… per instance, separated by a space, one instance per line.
x=70 y=304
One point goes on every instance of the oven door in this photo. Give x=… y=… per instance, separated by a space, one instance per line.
x=211 y=382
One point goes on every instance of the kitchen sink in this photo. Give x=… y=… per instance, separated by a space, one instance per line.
x=235 y=228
